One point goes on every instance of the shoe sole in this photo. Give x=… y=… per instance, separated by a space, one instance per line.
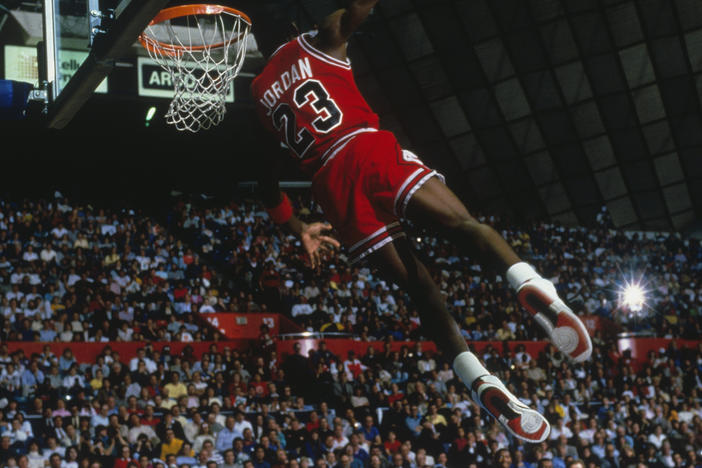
x=568 y=333
x=497 y=401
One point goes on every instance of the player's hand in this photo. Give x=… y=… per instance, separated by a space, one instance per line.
x=315 y=242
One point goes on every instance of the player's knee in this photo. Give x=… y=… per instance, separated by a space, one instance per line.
x=467 y=227
x=460 y=221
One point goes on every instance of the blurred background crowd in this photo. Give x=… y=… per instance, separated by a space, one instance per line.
x=71 y=272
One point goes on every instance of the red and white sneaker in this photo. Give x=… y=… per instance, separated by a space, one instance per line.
x=517 y=418
x=565 y=330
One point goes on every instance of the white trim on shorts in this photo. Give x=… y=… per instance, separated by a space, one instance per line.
x=375 y=234
x=415 y=184
x=355 y=255
x=404 y=185
x=401 y=202
x=375 y=247
x=416 y=187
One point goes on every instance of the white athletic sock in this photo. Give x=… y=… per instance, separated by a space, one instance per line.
x=520 y=273
x=468 y=368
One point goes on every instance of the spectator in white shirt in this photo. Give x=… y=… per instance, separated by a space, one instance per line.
x=73 y=378
x=301 y=308
x=35 y=459
x=559 y=429
x=14 y=293
x=102 y=418
x=30 y=255
x=47 y=254
x=657 y=437
x=52 y=447
x=17 y=433
x=241 y=424
x=71 y=459
x=141 y=356
x=59 y=231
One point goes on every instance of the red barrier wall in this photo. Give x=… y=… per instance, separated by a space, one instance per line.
x=87 y=352
x=248 y=326
x=640 y=347
x=596 y=323
x=341 y=347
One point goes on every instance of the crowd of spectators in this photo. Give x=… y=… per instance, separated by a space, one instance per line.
x=589 y=267
x=406 y=408
x=73 y=273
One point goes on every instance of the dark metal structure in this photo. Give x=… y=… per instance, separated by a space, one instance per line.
x=547 y=108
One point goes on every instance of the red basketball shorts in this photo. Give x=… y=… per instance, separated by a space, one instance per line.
x=364 y=188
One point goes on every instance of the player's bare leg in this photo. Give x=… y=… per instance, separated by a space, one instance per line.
x=435 y=205
x=397 y=263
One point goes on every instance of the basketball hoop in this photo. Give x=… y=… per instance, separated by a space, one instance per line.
x=203 y=48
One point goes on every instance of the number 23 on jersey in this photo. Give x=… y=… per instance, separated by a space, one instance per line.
x=309 y=93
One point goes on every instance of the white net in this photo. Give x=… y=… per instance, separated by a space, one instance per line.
x=204 y=53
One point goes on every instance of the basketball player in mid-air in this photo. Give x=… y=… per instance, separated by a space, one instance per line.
x=365 y=183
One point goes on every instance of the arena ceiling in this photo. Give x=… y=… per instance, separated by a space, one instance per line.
x=546 y=108
x=542 y=109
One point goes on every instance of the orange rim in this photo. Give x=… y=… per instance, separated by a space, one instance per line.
x=188 y=10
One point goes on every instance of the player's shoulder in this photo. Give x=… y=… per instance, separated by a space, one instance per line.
x=306 y=42
x=273 y=63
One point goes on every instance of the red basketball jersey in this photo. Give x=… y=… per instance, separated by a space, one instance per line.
x=311 y=102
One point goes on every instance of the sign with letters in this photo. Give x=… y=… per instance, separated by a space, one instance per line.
x=155 y=81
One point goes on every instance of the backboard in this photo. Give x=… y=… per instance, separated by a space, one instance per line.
x=82 y=41
x=66 y=41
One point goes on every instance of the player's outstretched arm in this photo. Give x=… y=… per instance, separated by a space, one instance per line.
x=336 y=29
x=311 y=235
x=280 y=209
